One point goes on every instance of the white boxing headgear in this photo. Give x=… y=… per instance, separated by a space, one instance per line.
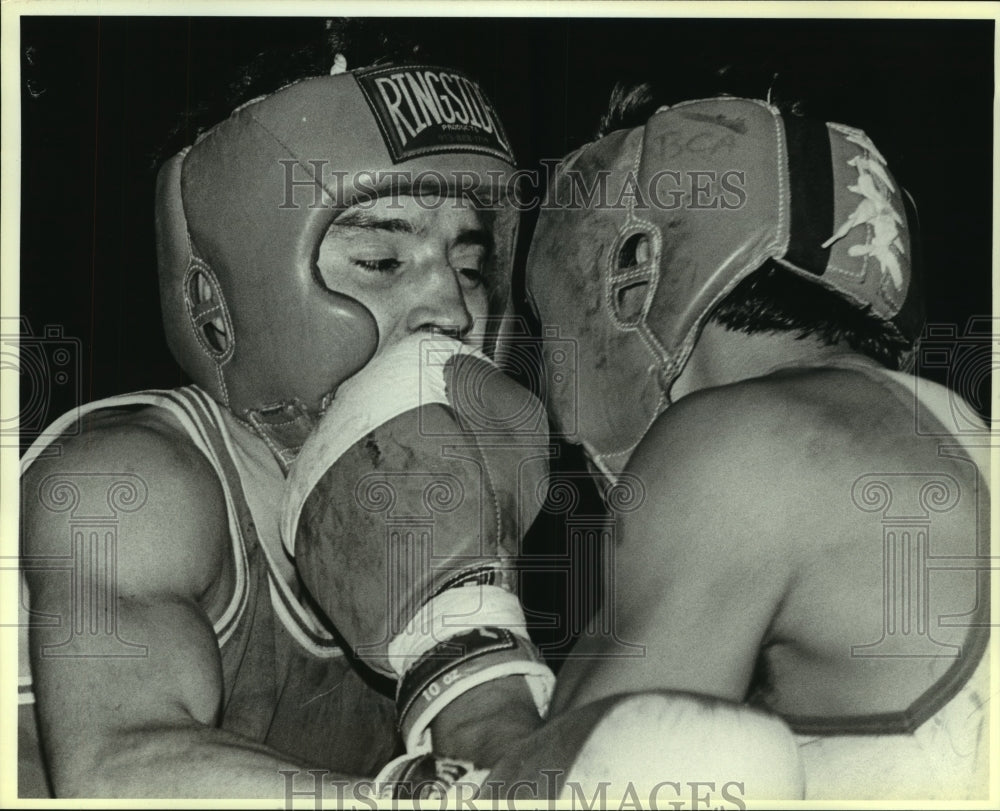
x=240 y=216
x=645 y=231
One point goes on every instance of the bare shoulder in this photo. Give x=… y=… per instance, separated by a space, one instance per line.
x=139 y=467
x=740 y=436
x=785 y=452
x=759 y=451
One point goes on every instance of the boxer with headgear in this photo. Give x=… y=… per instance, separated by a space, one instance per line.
x=741 y=289
x=313 y=230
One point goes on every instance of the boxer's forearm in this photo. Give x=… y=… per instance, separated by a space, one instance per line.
x=487 y=722
x=191 y=762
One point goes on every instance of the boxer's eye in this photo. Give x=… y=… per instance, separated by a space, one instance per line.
x=378 y=265
x=469 y=261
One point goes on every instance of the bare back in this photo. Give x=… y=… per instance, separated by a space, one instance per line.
x=792 y=550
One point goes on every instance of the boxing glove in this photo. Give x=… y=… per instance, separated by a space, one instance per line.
x=404 y=512
x=655 y=749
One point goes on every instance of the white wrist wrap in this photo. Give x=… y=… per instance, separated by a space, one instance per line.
x=455 y=611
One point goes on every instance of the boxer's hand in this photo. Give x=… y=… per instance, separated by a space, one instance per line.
x=405 y=511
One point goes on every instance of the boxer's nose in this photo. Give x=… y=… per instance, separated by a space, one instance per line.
x=440 y=304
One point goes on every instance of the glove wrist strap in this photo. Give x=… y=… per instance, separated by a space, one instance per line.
x=454 y=667
x=452 y=612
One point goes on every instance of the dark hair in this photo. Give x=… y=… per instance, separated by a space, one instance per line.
x=773 y=298
x=627 y=108
x=631 y=105
x=308 y=52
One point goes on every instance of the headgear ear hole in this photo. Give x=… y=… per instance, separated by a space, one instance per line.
x=206 y=309
x=630 y=300
x=634 y=251
x=215 y=335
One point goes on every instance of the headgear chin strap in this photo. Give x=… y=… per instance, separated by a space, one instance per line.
x=645 y=231
x=241 y=213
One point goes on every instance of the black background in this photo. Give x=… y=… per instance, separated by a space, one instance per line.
x=99 y=96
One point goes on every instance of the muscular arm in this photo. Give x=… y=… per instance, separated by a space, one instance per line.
x=701 y=568
x=140 y=725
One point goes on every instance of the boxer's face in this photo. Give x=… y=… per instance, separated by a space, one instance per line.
x=416 y=263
